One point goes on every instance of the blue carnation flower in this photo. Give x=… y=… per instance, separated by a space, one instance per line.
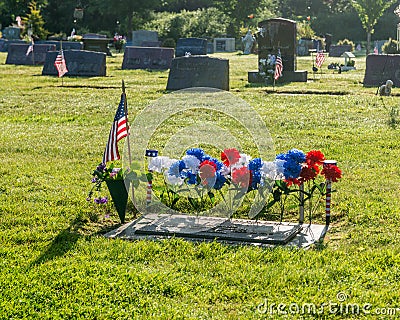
x=176 y=168
x=296 y=155
x=255 y=164
x=219 y=181
x=197 y=152
x=281 y=156
x=291 y=169
x=255 y=179
x=191 y=178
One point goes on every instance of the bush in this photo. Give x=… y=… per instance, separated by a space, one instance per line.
x=203 y=23
x=169 y=43
x=346 y=42
x=390 y=47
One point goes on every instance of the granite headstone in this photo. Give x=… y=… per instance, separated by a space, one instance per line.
x=66 y=45
x=224 y=44
x=11 y=33
x=138 y=36
x=192 y=46
x=96 y=42
x=198 y=71
x=79 y=63
x=380 y=68
x=278 y=34
x=147 y=58
x=17 y=54
x=338 y=50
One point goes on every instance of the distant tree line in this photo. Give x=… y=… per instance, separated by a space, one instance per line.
x=204 y=18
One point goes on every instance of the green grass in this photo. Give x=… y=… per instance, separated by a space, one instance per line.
x=54 y=263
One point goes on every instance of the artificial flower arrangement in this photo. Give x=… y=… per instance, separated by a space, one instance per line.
x=199 y=177
x=266 y=67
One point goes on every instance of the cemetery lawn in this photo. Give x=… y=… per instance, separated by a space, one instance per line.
x=55 y=263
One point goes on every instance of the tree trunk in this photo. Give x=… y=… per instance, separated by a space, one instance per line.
x=130 y=27
x=368 y=42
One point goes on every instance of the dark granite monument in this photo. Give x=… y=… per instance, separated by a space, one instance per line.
x=4 y=44
x=338 y=50
x=139 y=36
x=66 y=45
x=380 y=68
x=79 y=63
x=17 y=54
x=192 y=46
x=198 y=71
x=11 y=33
x=147 y=58
x=96 y=42
x=277 y=35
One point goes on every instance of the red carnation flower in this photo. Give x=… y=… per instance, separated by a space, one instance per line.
x=291 y=181
x=308 y=173
x=241 y=177
x=230 y=156
x=331 y=172
x=207 y=171
x=315 y=157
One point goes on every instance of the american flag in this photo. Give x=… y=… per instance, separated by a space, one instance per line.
x=319 y=59
x=30 y=48
x=60 y=64
x=278 y=66
x=118 y=131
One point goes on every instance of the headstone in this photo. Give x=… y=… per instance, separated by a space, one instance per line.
x=96 y=42
x=11 y=33
x=338 y=50
x=79 y=63
x=17 y=54
x=380 y=68
x=138 y=36
x=378 y=44
x=274 y=36
x=328 y=41
x=148 y=43
x=278 y=34
x=224 y=44
x=4 y=44
x=198 y=71
x=66 y=45
x=147 y=58
x=210 y=47
x=192 y=46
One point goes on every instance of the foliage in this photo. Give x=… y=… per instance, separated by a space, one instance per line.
x=304 y=30
x=203 y=23
x=347 y=42
x=34 y=21
x=391 y=47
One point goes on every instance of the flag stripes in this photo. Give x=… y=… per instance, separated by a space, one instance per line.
x=278 y=66
x=60 y=64
x=319 y=59
x=118 y=131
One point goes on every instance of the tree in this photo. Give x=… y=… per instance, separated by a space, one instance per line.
x=369 y=11
x=34 y=20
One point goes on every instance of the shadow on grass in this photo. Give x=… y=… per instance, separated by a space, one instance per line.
x=66 y=240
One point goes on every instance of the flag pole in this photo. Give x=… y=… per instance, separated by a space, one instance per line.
x=127 y=137
x=62 y=78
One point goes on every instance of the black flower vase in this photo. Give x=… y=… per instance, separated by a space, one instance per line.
x=119 y=195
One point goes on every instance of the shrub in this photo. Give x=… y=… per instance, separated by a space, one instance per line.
x=347 y=42
x=390 y=47
x=169 y=43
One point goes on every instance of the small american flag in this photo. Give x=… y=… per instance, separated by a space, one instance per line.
x=30 y=48
x=118 y=131
x=319 y=59
x=60 y=64
x=278 y=66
